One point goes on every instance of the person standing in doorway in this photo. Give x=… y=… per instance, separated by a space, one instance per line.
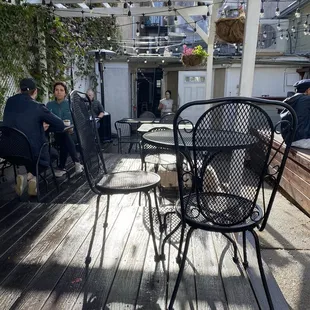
x=165 y=105
x=97 y=107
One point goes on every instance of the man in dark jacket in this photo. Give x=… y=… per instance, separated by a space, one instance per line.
x=32 y=118
x=300 y=102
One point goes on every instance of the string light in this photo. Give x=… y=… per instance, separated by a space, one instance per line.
x=175 y=17
x=90 y=7
x=142 y=22
x=306 y=22
x=125 y=5
x=262 y=11
x=163 y=61
x=145 y=61
x=277 y=13
x=297 y=13
x=112 y=23
x=293 y=27
x=129 y=13
x=108 y=37
x=111 y=47
x=195 y=29
x=279 y=26
x=169 y=3
x=83 y=19
x=281 y=36
x=208 y=6
x=128 y=59
x=137 y=31
x=265 y=34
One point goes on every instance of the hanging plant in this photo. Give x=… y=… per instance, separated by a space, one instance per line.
x=193 y=56
x=231 y=29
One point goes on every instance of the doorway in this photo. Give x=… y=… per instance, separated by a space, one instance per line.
x=149 y=90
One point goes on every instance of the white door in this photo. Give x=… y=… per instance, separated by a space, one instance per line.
x=192 y=86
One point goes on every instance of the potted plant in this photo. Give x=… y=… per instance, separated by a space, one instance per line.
x=193 y=56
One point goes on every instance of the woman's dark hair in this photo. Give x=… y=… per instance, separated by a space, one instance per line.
x=168 y=91
x=63 y=84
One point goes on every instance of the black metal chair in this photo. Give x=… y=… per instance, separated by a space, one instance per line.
x=100 y=181
x=147 y=114
x=168 y=118
x=225 y=188
x=15 y=148
x=125 y=135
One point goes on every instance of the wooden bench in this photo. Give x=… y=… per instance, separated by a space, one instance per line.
x=296 y=176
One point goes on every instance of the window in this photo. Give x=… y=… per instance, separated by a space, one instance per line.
x=195 y=79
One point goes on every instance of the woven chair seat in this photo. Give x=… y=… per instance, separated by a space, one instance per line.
x=218 y=210
x=129 y=181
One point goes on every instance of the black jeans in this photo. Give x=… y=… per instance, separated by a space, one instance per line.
x=66 y=147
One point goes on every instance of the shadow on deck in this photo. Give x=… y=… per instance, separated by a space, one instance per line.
x=43 y=248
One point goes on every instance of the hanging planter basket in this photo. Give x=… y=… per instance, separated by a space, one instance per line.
x=230 y=30
x=192 y=60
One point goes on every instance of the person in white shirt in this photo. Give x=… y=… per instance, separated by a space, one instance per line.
x=166 y=103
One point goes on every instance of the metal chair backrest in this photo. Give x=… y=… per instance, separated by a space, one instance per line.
x=15 y=147
x=147 y=114
x=168 y=118
x=123 y=129
x=88 y=139
x=229 y=150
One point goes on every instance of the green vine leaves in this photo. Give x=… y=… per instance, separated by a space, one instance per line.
x=35 y=42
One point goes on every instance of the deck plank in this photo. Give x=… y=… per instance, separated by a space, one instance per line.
x=24 y=272
x=237 y=287
x=100 y=278
x=209 y=286
x=125 y=287
x=71 y=283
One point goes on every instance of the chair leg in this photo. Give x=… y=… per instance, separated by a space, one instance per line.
x=162 y=253
x=245 y=259
x=38 y=182
x=180 y=274
x=88 y=257
x=105 y=224
x=54 y=178
x=161 y=228
x=178 y=258
x=235 y=257
x=261 y=269
x=157 y=257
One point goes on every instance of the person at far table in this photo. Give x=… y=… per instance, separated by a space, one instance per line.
x=65 y=140
x=165 y=104
x=97 y=107
x=300 y=102
x=24 y=113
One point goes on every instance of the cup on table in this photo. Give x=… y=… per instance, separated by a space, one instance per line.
x=67 y=122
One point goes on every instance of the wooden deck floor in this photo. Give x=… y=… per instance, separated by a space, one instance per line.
x=43 y=247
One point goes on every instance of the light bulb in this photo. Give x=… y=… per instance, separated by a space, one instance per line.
x=281 y=37
x=125 y=5
x=279 y=27
x=293 y=29
x=142 y=25
x=145 y=61
x=166 y=38
x=265 y=34
x=137 y=50
x=263 y=43
x=306 y=24
x=127 y=59
x=262 y=13
x=305 y=32
x=169 y=3
x=277 y=13
x=286 y=37
x=111 y=47
x=163 y=61
x=137 y=33
x=176 y=49
x=297 y=13
x=129 y=13
x=157 y=49
x=175 y=20
x=108 y=37
x=147 y=51
x=125 y=51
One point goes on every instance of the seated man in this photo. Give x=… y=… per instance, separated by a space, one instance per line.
x=97 y=107
x=32 y=118
x=300 y=102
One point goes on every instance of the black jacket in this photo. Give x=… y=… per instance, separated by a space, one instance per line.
x=27 y=115
x=301 y=105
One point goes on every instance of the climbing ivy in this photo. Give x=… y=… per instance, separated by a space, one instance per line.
x=35 y=42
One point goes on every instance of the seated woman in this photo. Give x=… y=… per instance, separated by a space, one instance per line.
x=65 y=140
